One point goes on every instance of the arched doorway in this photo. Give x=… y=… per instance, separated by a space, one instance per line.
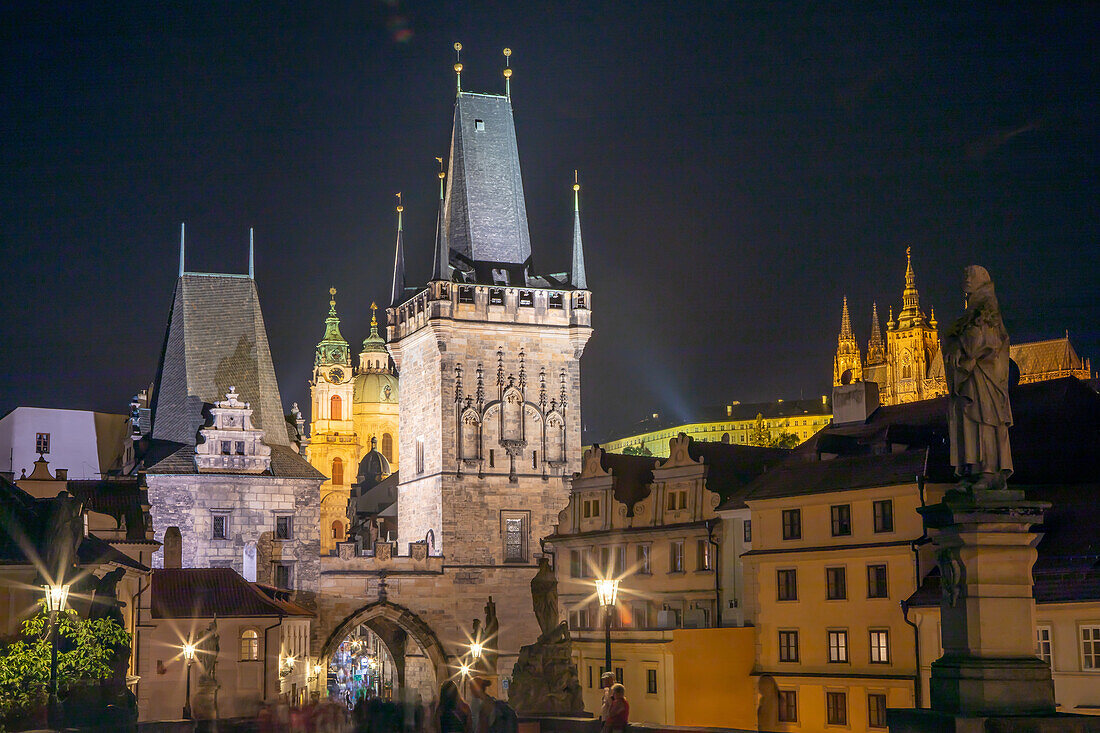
x=421 y=664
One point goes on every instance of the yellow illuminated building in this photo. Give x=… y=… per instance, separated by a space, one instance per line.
x=759 y=423
x=351 y=411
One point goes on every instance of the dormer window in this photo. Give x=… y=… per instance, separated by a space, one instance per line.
x=500 y=276
x=479 y=125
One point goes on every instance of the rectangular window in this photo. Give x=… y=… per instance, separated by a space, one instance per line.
x=786 y=582
x=492 y=459
x=792 y=524
x=836 y=584
x=620 y=561
x=227 y=447
x=282 y=576
x=788 y=706
x=703 y=560
x=880 y=647
x=479 y=125
x=238 y=447
x=42 y=443
x=515 y=537
x=876 y=581
x=676 y=557
x=643 y=559
x=590 y=676
x=838 y=646
x=842 y=520
x=420 y=455
x=578 y=619
x=619 y=674
x=590 y=508
x=220 y=527
x=496 y=296
x=284 y=528
x=876 y=710
x=465 y=294
x=748 y=531
x=534 y=459
x=1043 y=643
x=884 y=515
x=836 y=708
x=1090 y=647
x=575 y=570
x=788 y=646
x=651 y=682
x=526 y=299
x=639 y=615
x=555 y=301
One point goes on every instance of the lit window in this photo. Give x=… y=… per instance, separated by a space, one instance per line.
x=838 y=646
x=1043 y=642
x=836 y=708
x=703 y=559
x=788 y=646
x=880 y=647
x=250 y=645
x=1090 y=647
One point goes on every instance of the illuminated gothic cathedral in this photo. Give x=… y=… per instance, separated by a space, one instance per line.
x=353 y=410
x=908 y=365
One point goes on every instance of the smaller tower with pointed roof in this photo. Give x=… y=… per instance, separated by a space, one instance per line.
x=876 y=347
x=332 y=449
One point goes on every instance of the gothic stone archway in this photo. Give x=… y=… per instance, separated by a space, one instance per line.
x=394 y=624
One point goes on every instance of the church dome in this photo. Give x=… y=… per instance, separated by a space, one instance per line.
x=375 y=387
x=373 y=468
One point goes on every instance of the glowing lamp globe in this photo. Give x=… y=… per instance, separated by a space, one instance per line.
x=56 y=595
x=607 y=591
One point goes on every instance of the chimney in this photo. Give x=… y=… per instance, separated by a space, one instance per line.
x=854 y=403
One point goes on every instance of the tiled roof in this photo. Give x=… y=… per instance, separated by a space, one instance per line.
x=843 y=473
x=732 y=468
x=210 y=592
x=1041 y=357
x=215 y=340
x=285 y=463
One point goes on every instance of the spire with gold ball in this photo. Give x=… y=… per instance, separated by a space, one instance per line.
x=333 y=347
x=397 y=290
x=579 y=278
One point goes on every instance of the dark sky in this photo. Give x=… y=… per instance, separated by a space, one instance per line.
x=744 y=166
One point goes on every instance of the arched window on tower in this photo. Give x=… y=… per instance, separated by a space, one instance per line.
x=335 y=408
x=906 y=365
x=387 y=446
x=337 y=472
x=338 y=530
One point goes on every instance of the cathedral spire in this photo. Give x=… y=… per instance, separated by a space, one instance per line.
x=876 y=347
x=846 y=323
x=397 y=290
x=182 y=230
x=507 y=73
x=910 y=299
x=251 y=255
x=580 y=281
x=441 y=265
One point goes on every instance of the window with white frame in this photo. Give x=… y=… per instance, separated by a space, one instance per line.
x=250 y=645
x=1090 y=647
x=676 y=557
x=1043 y=646
x=838 y=646
x=880 y=646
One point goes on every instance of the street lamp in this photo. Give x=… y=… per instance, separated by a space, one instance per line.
x=607 y=590
x=189 y=655
x=56 y=595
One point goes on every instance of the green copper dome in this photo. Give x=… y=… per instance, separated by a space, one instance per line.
x=375 y=387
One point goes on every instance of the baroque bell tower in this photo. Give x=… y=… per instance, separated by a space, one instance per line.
x=333 y=449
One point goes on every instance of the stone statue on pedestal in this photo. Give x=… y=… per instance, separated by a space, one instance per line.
x=976 y=360
x=544 y=680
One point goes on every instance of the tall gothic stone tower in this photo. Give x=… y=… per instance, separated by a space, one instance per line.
x=489 y=356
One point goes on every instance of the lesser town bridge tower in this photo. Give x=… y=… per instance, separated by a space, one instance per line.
x=489 y=420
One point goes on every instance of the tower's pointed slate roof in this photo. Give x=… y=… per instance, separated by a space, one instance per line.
x=485 y=215
x=215 y=340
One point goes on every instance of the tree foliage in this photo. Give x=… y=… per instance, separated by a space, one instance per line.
x=760 y=434
x=84 y=653
x=637 y=450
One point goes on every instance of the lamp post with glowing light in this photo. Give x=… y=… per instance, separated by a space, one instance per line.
x=607 y=590
x=189 y=656
x=56 y=595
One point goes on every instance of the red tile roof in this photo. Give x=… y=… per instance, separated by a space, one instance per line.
x=210 y=592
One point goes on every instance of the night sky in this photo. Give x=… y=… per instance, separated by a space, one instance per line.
x=743 y=167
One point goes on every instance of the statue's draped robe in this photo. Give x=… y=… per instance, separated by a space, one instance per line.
x=979 y=414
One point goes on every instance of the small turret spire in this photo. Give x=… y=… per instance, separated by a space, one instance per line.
x=848 y=364
x=458 y=67
x=876 y=348
x=910 y=298
x=182 y=230
x=333 y=347
x=251 y=254
x=397 y=290
x=507 y=73
x=580 y=279
x=441 y=264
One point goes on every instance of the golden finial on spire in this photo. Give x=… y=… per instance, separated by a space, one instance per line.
x=400 y=208
x=458 y=66
x=373 y=315
x=576 y=182
x=442 y=175
x=507 y=73
x=332 y=300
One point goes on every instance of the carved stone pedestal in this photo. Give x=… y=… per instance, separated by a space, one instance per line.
x=988 y=678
